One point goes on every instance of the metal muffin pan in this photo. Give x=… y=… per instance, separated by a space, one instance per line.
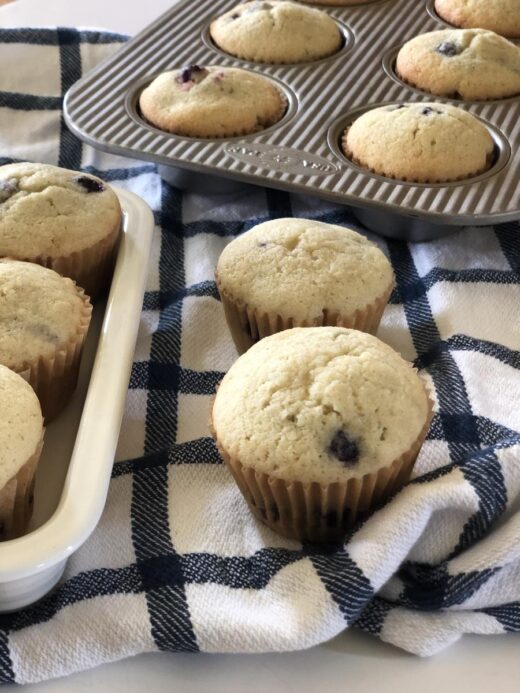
x=301 y=152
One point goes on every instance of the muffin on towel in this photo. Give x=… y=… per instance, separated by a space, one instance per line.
x=318 y=426
x=300 y=273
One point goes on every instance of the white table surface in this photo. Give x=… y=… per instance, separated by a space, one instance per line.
x=352 y=662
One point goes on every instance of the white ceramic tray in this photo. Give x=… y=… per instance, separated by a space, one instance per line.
x=74 y=470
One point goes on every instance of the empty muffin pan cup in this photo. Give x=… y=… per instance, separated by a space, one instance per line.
x=301 y=152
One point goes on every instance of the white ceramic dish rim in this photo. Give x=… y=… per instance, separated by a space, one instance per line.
x=86 y=484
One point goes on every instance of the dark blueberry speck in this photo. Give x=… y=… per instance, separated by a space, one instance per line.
x=344 y=448
x=397 y=108
x=7 y=188
x=428 y=111
x=90 y=184
x=193 y=73
x=449 y=49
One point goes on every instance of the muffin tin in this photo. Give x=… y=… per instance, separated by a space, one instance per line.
x=301 y=153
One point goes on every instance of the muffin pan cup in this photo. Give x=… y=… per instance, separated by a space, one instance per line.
x=302 y=152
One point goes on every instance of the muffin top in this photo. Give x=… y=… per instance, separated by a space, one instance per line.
x=21 y=424
x=461 y=63
x=39 y=311
x=211 y=101
x=502 y=16
x=319 y=404
x=300 y=268
x=422 y=142
x=53 y=212
x=338 y=2
x=276 y=32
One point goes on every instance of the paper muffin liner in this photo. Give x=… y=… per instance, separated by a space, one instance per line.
x=16 y=499
x=490 y=162
x=316 y=512
x=54 y=378
x=90 y=268
x=248 y=325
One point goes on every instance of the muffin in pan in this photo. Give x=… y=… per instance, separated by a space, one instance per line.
x=21 y=439
x=339 y=3
x=319 y=426
x=276 y=32
x=44 y=319
x=420 y=142
x=470 y=64
x=291 y=272
x=212 y=101
x=66 y=220
x=501 y=16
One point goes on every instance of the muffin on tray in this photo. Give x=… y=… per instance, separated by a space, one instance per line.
x=318 y=426
x=276 y=32
x=471 y=64
x=211 y=101
x=44 y=319
x=502 y=16
x=21 y=438
x=61 y=219
x=301 y=273
x=420 y=142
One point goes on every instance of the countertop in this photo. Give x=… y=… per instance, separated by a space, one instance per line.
x=351 y=662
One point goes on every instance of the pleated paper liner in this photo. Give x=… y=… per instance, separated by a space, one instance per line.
x=321 y=513
x=90 y=268
x=16 y=499
x=249 y=325
x=54 y=379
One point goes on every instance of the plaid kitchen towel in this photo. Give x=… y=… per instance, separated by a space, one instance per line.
x=177 y=562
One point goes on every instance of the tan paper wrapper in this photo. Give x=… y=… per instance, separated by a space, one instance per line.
x=249 y=325
x=16 y=499
x=313 y=512
x=90 y=268
x=54 y=379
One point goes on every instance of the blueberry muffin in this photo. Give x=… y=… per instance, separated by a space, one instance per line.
x=276 y=32
x=471 y=64
x=318 y=426
x=44 y=319
x=61 y=219
x=211 y=102
x=21 y=437
x=501 y=16
x=339 y=3
x=300 y=273
x=420 y=142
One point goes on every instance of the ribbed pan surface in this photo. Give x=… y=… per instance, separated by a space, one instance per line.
x=300 y=153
